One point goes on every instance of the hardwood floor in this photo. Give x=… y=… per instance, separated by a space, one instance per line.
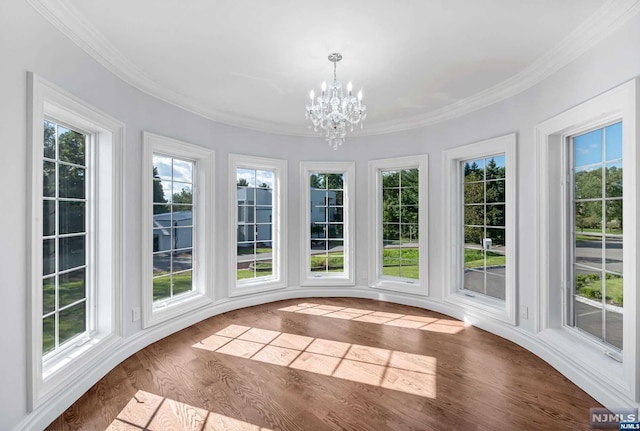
x=331 y=364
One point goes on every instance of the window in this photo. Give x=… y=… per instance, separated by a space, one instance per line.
x=178 y=226
x=484 y=208
x=480 y=207
x=75 y=209
x=398 y=259
x=595 y=211
x=586 y=276
x=65 y=240
x=328 y=235
x=256 y=213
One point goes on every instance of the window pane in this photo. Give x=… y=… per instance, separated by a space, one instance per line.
x=48 y=217
x=182 y=193
x=409 y=214
x=588 y=148
x=613 y=333
x=182 y=282
x=336 y=214
x=72 y=252
x=495 y=167
x=614 y=142
x=263 y=267
x=48 y=334
x=264 y=180
x=336 y=231
x=390 y=179
x=474 y=215
x=473 y=235
x=72 y=217
x=588 y=318
x=72 y=322
x=182 y=237
x=588 y=217
x=162 y=167
x=409 y=233
x=390 y=233
x=162 y=287
x=588 y=184
x=48 y=256
x=182 y=171
x=390 y=214
x=497 y=237
x=391 y=197
x=264 y=214
x=474 y=170
x=473 y=258
x=410 y=178
x=613 y=180
x=71 y=287
x=319 y=230
x=495 y=215
x=49 y=179
x=496 y=283
x=474 y=193
x=496 y=191
x=48 y=295
x=49 y=140
x=161 y=239
x=335 y=181
x=71 y=182
x=474 y=280
x=613 y=254
x=181 y=261
x=71 y=146
x=161 y=264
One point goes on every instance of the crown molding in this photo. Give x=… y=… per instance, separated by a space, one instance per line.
x=606 y=20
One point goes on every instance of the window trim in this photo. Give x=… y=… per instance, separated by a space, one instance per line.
x=203 y=236
x=46 y=100
x=454 y=242
x=306 y=276
x=279 y=248
x=595 y=367
x=396 y=284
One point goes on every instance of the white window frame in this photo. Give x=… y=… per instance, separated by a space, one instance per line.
x=278 y=280
x=596 y=366
x=49 y=376
x=453 y=248
x=376 y=279
x=346 y=278
x=203 y=239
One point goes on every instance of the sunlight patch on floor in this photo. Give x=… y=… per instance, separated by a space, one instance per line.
x=401 y=371
x=431 y=324
x=147 y=411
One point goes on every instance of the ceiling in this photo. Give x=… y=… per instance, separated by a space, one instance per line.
x=251 y=63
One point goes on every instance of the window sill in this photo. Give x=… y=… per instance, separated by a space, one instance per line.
x=168 y=310
x=328 y=280
x=401 y=285
x=485 y=305
x=248 y=288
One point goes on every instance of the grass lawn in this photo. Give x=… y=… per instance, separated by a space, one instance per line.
x=181 y=283
x=475 y=259
x=249 y=250
x=401 y=262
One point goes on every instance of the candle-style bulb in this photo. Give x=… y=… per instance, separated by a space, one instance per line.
x=349 y=87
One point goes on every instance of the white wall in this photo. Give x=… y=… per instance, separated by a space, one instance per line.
x=29 y=43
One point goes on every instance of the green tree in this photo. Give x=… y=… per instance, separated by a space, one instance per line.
x=242 y=182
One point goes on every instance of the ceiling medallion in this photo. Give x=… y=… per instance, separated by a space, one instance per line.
x=334 y=111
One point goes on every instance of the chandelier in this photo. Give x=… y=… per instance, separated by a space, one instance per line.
x=333 y=111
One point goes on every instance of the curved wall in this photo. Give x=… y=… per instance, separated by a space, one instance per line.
x=29 y=43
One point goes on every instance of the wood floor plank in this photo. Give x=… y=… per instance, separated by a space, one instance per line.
x=330 y=364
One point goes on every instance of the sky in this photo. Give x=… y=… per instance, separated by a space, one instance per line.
x=588 y=147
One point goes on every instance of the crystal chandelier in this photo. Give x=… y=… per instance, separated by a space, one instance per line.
x=333 y=111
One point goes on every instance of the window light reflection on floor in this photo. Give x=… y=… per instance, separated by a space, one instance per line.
x=147 y=411
x=391 y=369
x=431 y=324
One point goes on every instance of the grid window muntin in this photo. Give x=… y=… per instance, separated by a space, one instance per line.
x=484 y=225
x=400 y=223
x=66 y=275
x=327 y=223
x=254 y=225
x=596 y=201
x=174 y=218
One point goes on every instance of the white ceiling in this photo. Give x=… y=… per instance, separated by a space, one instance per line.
x=252 y=63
